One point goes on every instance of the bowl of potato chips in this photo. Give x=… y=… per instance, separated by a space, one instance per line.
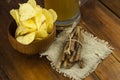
x=32 y=30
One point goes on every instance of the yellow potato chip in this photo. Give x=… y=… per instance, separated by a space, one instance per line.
x=22 y=31
x=38 y=38
x=53 y=14
x=32 y=3
x=49 y=20
x=43 y=27
x=38 y=9
x=41 y=34
x=48 y=15
x=29 y=24
x=26 y=11
x=39 y=19
x=50 y=28
x=18 y=31
x=27 y=39
x=15 y=14
x=26 y=31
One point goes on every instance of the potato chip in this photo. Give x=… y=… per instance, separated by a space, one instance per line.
x=26 y=31
x=43 y=27
x=38 y=39
x=32 y=3
x=29 y=24
x=27 y=39
x=39 y=19
x=48 y=15
x=38 y=9
x=15 y=14
x=26 y=11
x=50 y=28
x=18 y=31
x=22 y=31
x=53 y=14
x=41 y=34
x=49 y=20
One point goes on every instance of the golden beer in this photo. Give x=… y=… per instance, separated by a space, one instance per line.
x=67 y=10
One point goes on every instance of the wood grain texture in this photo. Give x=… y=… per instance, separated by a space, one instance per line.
x=97 y=19
x=113 y=5
x=93 y=76
x=3 y=75
x=109 y=69
x=104 y=24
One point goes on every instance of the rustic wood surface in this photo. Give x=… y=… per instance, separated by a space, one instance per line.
x=100 y=19
x=113 y=5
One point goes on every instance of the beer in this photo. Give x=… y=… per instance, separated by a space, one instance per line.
x=65 y=9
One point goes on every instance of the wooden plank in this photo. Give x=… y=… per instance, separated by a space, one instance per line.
x=3 y=75
x=22 y=67
x=103 y=24
x=92 y=76
x=109 y=69
x=114 y=6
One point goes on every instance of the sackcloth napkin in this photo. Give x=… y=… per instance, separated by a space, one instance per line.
x=93 y=51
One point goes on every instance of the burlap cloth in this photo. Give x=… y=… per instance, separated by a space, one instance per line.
x=93 y=51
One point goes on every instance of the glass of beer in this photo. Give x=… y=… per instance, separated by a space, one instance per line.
x=67 y=10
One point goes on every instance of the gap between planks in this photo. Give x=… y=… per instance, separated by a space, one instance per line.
x=102 y=2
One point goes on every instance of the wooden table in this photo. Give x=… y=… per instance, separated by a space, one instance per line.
x=101 y=19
